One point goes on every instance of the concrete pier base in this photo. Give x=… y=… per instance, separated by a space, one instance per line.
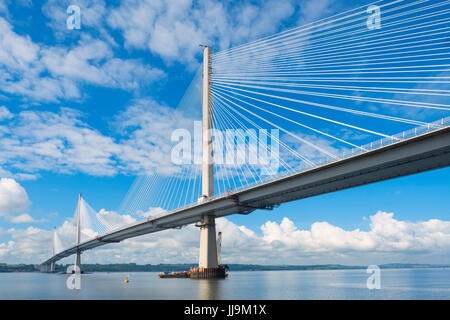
x=77 y=262
x=208 y=247
x=208 y=273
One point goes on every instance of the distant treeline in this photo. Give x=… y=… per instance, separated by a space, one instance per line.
x=133 y=267
x=17 y=267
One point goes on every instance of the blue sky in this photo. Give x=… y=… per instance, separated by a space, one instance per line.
x=82 y=111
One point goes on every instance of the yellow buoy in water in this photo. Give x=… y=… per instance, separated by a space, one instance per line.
x=126 y=280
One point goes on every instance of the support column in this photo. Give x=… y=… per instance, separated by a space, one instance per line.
x=78 y=254
x=52 y=264
x=207 y=150
x=207 y=263
x=208 y=252
x=208 y=246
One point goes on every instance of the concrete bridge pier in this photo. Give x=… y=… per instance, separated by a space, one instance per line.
x=43 y=268
x=208 y=247
x=77 y=264
x=208 y=266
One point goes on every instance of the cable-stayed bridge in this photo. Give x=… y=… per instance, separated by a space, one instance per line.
x=353 y=99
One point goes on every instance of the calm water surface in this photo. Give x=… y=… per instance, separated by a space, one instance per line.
x=322 y=284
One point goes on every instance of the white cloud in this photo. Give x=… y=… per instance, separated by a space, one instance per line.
x=52 y=73
x=114 y=220
x=61 y=142
x=3 y=6
x=13 y=197
x=93 y=61
x=20 y=68
x=57 y=142
x=152 y=212
x=16 y=51
x=387 y=240
x=174 y=29
x=23 y=218
x=311 y=10
x=147 y=128
x=5 y=114
x=91 y=10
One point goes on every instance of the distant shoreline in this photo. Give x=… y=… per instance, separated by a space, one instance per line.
x=132 y=267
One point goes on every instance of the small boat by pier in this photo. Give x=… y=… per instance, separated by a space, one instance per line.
x=181 y=274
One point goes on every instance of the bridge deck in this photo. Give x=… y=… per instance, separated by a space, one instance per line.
x=420 y=153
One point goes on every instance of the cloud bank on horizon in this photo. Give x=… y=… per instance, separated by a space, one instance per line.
x=387 y=240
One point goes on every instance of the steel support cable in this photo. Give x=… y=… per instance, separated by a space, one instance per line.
x=306 y=70
x=349 y=79
x=138 y=197
x=97 y=224
x=354 y=71
x=226 y=110
x=298 y=155
x=236 y=167
x=346 y=88
x=182 y=185
x=267 y=51
x=179 y=180
x=144 y=192
x=164 y=183
x=195 y=191
x=325 y=53
x=363 y=53
x=168 y=193
x=251 y=168
x=225 y=170
x=186 y=186
x=414 y=104
x=298 y=123
x=405 y=59
x=288 y=50
x=318 y=117
x=282 y=129
x=133 y=189
x=363 y=113
x=177 y=190
x=219 y=170
x=284 y=165
x=263 y=41
x=334 y=26
x=281 y=143
x=189 y=181
x=193 y=175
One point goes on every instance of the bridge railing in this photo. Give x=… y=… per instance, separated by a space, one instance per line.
x=417 y=131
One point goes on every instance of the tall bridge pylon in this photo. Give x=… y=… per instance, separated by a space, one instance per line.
x=207 y=262
x=52 y=265
x=77 y=263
